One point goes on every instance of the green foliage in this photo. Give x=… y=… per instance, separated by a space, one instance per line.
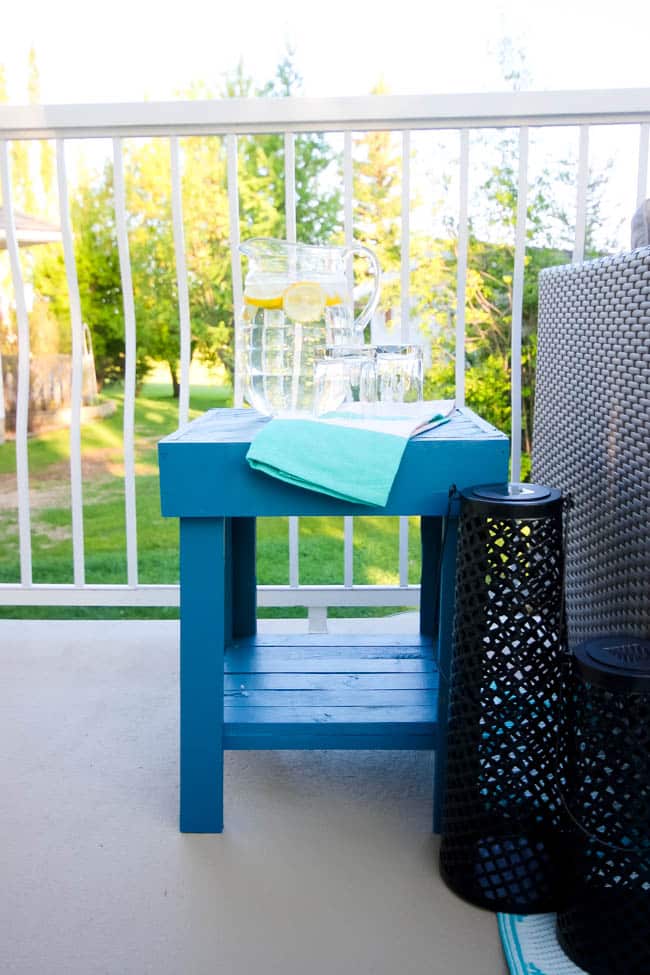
x=489 y=281
x=98 y=274
x=377 y=219
x=262 y=167
x=488 y=299
x=156 y=414
x=377 y=200
x=23 y=195
x=206 y=231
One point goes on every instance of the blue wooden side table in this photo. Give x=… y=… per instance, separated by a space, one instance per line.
x=244 y=691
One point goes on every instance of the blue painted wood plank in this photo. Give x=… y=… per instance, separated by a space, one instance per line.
x=299 y=652
x=329 y=682
x=291 y=655
x=202 y=552
x=334 y=665
x=383 y=643
x=350 y=715
x=403 y=738
x=316 y=698
x=241 y=426
x=331 y=710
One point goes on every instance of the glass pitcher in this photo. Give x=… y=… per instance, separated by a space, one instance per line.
x=297 y=300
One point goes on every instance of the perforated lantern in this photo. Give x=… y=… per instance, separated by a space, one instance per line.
x=604 y=925
x=501 y=835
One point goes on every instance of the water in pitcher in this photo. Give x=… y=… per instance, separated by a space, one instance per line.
x=297 y=301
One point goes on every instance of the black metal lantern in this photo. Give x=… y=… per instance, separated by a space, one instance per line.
x=502 y=818
x=604 y=926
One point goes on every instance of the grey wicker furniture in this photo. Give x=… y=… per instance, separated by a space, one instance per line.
x=592 y=435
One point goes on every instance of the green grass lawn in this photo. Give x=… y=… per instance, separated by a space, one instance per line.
x=321 y=539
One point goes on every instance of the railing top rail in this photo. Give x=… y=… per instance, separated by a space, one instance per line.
x=249 y=115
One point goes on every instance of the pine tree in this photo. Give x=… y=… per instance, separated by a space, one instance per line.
x=377 y=189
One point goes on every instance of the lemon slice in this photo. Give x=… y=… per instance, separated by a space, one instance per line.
x=275 y=302
x=264 y=294
x=304 y=301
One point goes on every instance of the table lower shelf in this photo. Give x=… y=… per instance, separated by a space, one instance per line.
x=329 y=691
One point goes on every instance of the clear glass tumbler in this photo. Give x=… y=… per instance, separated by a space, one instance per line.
x=399 y=371
x=344 y=374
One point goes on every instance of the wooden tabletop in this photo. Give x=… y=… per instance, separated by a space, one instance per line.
x=204 y=473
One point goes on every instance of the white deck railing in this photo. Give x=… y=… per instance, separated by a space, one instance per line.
x=232 y=118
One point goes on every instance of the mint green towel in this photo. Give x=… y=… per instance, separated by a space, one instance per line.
x=344 y=462
x=345 y=455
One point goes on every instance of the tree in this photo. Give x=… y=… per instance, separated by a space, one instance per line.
x=549 y=241
x=262 y=169
x=98 y=274
x=26 y=195
x=490 y=278
x=206 y=212
x=206 y=226
x=34 y=195
x=377 y=189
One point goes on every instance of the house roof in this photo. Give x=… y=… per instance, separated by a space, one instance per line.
x=29 y=230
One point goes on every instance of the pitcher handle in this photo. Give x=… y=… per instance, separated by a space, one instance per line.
x=364 y=317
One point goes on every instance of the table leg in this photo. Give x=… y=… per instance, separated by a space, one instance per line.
x=227 y=583
x=243 y=583
x=202 y=564
x=445 y=631
x=431 y=541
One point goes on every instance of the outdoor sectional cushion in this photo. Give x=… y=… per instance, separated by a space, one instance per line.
x=641 y=226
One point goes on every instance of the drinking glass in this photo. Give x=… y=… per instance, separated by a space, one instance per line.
x=399 y=373
x=344 y=374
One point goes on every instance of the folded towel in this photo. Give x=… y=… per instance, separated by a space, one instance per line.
x=353 y=455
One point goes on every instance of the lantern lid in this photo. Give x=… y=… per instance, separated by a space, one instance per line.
x=619 y=660
x=512 y=492
x=513 y=500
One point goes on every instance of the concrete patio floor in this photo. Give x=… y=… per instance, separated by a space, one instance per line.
x=327 y=864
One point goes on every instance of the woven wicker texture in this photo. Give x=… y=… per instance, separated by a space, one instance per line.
x=501 y=811
x=592 y=434
x=605 y=925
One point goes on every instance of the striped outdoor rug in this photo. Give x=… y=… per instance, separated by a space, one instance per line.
x=531 y=947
